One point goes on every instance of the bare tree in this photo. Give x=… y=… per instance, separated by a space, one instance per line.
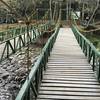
x=23 y=9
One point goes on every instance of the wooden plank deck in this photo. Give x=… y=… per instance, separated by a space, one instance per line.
x=69 y=76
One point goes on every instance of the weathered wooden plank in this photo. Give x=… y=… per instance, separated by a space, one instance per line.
x=82 y=77
x=70 y=85
x=70 y=63
x=69 y=54
x=67 y=60
x=63 y=97
x=67 y=69
x=71 y=72
x=70 y=89
x=69 y=66
x=79 y=58
x=74 y=77
x=69 y=76
x=65 y=63
x=68 y=82
x=68 y=93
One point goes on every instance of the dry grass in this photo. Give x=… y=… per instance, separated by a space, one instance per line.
x=4 y=27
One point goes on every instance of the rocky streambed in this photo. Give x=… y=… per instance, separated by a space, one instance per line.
x=13 y=71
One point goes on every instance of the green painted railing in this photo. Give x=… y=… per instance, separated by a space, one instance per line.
x=4 y=35
x=89 y=50
x=15 y=43
x=33 y=81
x=10 y=33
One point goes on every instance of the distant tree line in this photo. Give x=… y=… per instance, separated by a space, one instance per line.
x=37 y=9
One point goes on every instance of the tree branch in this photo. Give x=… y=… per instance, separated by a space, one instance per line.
x=11 y=9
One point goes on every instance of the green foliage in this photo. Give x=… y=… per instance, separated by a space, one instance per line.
x=95 y=39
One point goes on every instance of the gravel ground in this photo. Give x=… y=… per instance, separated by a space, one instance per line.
x=13 y=71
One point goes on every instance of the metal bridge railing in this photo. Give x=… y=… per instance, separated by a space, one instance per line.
x=10 y=33
x=89 y=50
x=15 y=43
x=33 y=81
x=5 y=35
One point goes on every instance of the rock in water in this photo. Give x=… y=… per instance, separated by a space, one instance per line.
x=5 y=75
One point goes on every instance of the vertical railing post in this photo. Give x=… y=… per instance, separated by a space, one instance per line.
x=44 y=60
x=7 y=48
x=86 y=49
x=41 y=69
x=28 y=94
x=37 y=80
x=14 y=45
x=93 y=65
x=19 y=42
x=99 y=70
x=82 y=44
x=89 y=53
x=24 y=38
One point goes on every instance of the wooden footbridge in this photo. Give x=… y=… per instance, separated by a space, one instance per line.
x=68 y=76
x=68 y=67
x=65 y=70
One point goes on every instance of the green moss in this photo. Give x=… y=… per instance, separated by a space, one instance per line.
x=95 y=39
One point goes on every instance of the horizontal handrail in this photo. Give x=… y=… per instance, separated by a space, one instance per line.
x=89 y=50
x=11 y=33
x=32 y=27
x=5 y=35
x=36 y=74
